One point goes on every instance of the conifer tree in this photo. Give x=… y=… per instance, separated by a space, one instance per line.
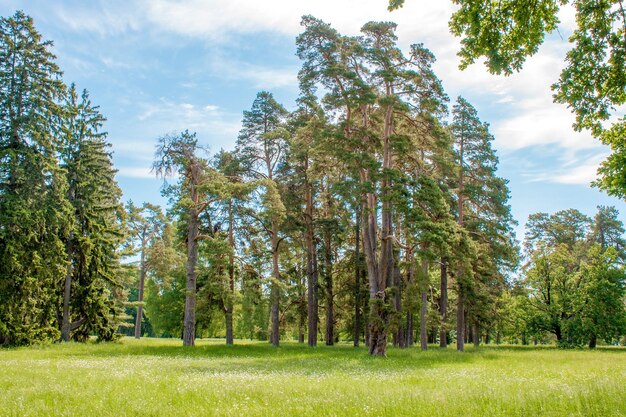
x=34 y=212
x=261 y=146
x=92 y=275
x=179 y=154
x=482 y=209
x=145 y=225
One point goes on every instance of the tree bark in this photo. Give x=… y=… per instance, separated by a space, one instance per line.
x=189 y=322
x=400 y=336
x=424 y=307
x=142 y=281
x=357 y=277
x=311 y=265
x=476 y=333
x=328 y=282
x=67 y=290
x=460 y=320
x=231 y=276
x=443 y=305
x=275 y=289
x=410 y=326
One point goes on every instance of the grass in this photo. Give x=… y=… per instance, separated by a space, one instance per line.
x=159 y=377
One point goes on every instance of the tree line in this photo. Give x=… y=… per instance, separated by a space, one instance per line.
x=371 y=212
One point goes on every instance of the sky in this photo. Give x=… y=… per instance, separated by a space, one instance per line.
x=161 y=66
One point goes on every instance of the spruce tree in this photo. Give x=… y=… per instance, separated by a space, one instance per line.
x=34 y=212
x=92 y=275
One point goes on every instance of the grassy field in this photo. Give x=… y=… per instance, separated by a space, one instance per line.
x=159 y=377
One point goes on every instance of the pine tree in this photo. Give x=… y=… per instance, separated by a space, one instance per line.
x=482 y=212
x=145 y=225
x=261 y=146
x=178 y=154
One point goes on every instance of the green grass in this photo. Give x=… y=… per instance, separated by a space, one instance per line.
x=159 y=377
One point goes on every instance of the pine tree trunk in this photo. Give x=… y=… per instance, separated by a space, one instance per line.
x=67 y=290
x=357 y=277
x=424 y=307
x=311 y=268
x=275 y=289
x=228 y=313
x=460 y=320
x=443 y=305
x=330 y=312
x=410 y=327
x=142 y=281
x=189 y=322
x=476 y=334
x=231 y=276
x=400 y=336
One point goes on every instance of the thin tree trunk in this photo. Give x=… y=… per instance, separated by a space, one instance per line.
x=357 y=277
x=189 y=328
x=328 y=281
x=275 y=289
x=311 y=270
x=476 y=335
x=424 y=307
x=410 y=327
x=142 y=280
x=443 y=305
x=460 y=320
x=400 y=336
x=231 y=276
x=311 y=267
x=67 y=290
x=460 y=313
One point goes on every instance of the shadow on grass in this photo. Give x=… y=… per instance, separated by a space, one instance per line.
x=214 y=356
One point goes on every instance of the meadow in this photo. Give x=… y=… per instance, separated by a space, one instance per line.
x=157 y=377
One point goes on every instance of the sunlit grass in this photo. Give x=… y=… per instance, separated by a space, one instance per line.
x=159 y=377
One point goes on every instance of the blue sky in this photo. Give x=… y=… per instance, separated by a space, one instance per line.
x=161 y=66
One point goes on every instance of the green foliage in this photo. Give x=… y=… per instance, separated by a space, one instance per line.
x=593 y=82
x=576 y=282
x=33 y=211
x=504 y=32
x=96 y=232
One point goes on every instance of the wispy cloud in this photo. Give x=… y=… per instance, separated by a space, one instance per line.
x=572 y=170
x=136 y=172
x=213 y=125
x=102 y=18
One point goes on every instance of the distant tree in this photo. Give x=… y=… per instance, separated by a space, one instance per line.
x=600 y=305
x=166 y=283
x=576 y=282
x=145 y=224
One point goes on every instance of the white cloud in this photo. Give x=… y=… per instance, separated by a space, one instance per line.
x=212 y=125
x=539 y=122
x=573 y=170
x=136 y=172
x=110 y=17
x=216 y=19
